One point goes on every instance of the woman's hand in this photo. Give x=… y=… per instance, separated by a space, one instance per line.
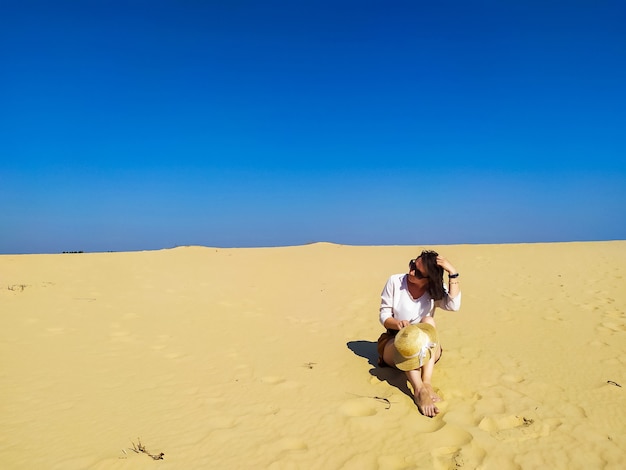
x=403 y=323
x=446 y=265
x=393 y=324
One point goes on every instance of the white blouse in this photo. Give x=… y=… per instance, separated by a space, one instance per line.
x=396 y=302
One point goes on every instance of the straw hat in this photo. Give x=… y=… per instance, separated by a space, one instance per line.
x=414 y=346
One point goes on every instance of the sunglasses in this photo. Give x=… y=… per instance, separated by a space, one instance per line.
x=417 y=273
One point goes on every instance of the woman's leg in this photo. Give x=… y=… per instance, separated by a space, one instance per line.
x=423 y=394
x=428 y=368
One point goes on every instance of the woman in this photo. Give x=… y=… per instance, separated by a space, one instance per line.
x=411 y=299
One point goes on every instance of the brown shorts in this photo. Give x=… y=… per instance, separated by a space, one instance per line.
x=383 y=339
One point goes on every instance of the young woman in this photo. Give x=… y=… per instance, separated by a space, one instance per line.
x=411 y=299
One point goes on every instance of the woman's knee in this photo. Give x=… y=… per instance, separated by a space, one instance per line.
x=388 y=353
x=429 y=320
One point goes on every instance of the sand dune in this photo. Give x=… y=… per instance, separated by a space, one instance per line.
x=265 y=358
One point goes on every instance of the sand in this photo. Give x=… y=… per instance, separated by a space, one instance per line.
x=265 y=358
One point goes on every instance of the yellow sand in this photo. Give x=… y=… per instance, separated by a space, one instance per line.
x=263 y=358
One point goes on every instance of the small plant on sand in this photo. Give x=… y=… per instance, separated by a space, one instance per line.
x=140 y=448
x=17 y=287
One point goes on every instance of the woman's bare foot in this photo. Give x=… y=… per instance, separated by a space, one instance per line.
x=432 y=393
x=425 y=403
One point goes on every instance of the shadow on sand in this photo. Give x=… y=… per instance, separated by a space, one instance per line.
x=394 y=377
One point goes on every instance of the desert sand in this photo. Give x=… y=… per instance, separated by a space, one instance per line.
x=265 y=358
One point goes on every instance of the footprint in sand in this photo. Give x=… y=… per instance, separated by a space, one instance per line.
x=120 y=336
x=554 y=318
x=450 y=435
x=615 y=314
x=58 y=330
x=513 y=428
x=283 y=448
x=273 y=380
x=161 y=342
x=570 y=411
x=262 y=409
x=553 y=314
x=175 y=355
x=513 y=378
x=462 y=356
x=220 y=422
x=611 y=327
x=615 y=361
x=448 y=457
x=291 y=444
x=358 y=408
x=252 y=314
x=281 y=382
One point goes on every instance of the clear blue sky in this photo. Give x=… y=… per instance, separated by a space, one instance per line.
x=149 y=124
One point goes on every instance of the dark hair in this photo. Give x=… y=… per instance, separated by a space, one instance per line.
x=435 y=274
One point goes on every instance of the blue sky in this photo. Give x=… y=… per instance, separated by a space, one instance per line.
x=149 y=124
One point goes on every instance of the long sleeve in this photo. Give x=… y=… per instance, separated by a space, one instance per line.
x=386 y=302
x=449 y=303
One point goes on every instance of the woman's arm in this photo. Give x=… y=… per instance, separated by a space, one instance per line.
x=453 y=276
x=386 y=303
x=386 y=307
x=387 y=318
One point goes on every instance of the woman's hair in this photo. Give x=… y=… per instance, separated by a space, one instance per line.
x=435 y=274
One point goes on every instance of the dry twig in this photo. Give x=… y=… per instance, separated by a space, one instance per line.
x=380 y=399
x=140 y=448
x=17 y=287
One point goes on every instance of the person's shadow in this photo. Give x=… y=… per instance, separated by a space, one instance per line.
x=391 y=375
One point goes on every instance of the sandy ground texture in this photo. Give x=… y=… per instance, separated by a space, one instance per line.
x=265 y=359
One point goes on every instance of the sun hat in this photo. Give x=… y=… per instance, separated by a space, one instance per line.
x=414 y=346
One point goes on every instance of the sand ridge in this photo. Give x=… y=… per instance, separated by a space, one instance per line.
x=265 y=358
